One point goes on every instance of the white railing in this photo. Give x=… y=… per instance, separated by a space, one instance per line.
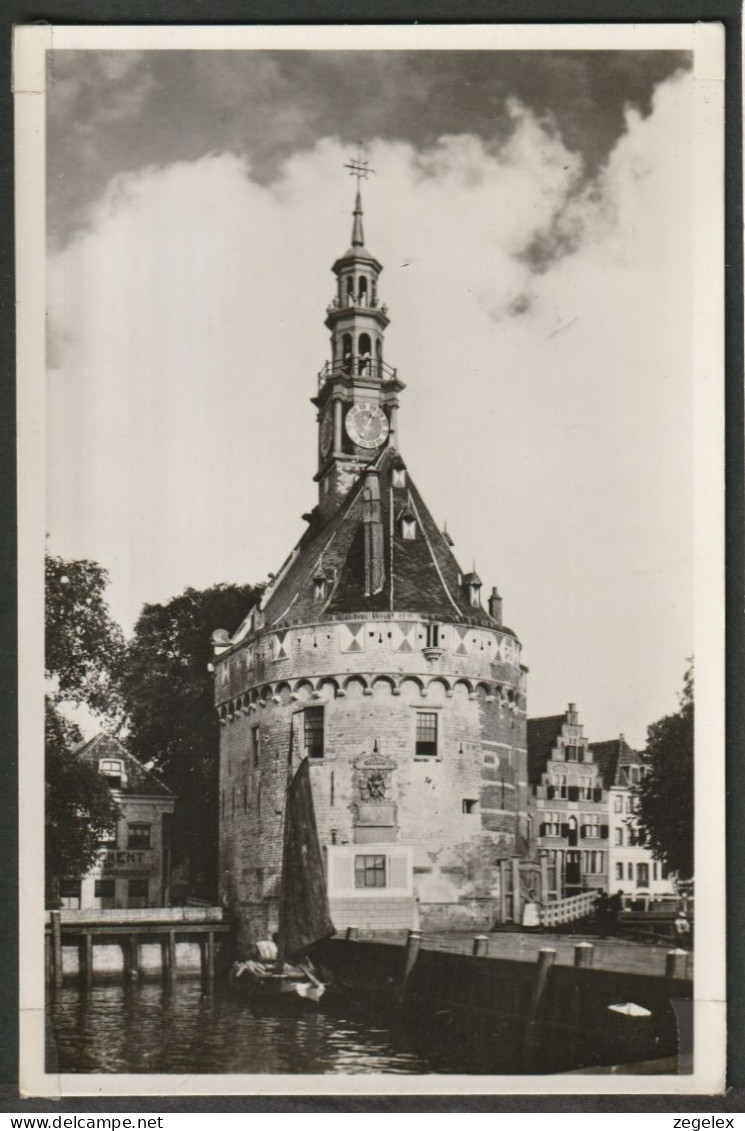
x=568 y=910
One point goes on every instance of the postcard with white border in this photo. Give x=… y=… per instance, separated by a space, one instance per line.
x=371 y=555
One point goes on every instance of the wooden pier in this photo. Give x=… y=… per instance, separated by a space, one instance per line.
x=130 y=931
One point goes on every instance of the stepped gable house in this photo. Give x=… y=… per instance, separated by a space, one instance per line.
x=372 y=655
x=569 y=807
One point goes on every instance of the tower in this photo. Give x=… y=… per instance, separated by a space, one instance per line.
x=358 y=391
x=372 y=656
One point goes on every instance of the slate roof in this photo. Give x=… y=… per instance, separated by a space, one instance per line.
x=542 y=735
x=139 y=781
x=611 y=755
x=422 y=575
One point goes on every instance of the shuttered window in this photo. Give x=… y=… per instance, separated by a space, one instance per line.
x=369 y=871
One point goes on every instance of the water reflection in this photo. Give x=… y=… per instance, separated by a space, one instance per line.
x=186 y=1028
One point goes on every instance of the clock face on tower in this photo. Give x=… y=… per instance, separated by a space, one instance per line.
x=327 y=432
x=367 y=425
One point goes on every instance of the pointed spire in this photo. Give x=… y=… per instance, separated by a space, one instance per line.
x=358 y=235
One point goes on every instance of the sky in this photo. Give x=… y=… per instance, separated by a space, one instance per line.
x=533 y=214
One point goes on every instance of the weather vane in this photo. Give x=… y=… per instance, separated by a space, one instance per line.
x=359 y=168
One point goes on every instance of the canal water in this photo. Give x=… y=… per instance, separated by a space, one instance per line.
x=188 y=1028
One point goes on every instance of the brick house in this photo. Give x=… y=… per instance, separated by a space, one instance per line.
x=133 y=869
x=568 y=807
x=372 y=655
x=632 y=869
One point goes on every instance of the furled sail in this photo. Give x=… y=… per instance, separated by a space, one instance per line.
x=304 y=916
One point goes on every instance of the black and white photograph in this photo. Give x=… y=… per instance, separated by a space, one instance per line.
x=370 y=418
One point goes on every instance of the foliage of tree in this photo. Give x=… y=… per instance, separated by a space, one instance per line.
x=84 y=645
x=665 y=794
x=83 y=659
x=169 y=696
x=79 y=806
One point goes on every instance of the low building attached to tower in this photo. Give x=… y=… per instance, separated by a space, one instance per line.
x=372 y=655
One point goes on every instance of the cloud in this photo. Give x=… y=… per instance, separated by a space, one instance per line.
x=117 y=112
x=546 y=415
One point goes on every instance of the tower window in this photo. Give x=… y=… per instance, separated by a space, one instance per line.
x=362 y=292
x=469 y=805
x=365 y=351
x=255 y=744
x=320 y=588
x=399 y=477
x=313 y=732
x=426 y=734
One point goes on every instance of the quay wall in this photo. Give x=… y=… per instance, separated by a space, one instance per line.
x=491 y=1006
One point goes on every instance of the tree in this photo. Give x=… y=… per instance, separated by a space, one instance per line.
x=79 y=806
x=84 y=653
x=169 y=696
x=666 y=791
x=84 y=645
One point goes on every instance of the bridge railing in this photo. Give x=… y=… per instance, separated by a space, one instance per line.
x=569 y=909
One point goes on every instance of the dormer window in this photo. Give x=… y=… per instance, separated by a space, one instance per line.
x=320 y=588
x=398 y=478
x=408 y=526
x=113 y=770
x=472 y=585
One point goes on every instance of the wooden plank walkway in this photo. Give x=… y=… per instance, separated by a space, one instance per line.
x=623 y=955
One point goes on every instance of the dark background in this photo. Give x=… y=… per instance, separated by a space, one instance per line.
x=381 y=11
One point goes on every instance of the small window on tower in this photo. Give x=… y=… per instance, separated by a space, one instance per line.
x=426 y=734
x=313 y=732
x=469 y=805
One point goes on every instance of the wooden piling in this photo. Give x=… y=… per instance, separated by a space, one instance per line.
x=480 y=945
x=131 y=955
x=583 y=954
x=546 y=959
x=57 y=948
x=86 y=958
x=208 y=956
x=676 y=963
x=413 y=946
x=172 y=971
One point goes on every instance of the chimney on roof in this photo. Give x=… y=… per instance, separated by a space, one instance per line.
x=373 y=528
x=572 y=713
x=495 y=606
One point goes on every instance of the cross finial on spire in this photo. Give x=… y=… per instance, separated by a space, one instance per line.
x=359 y=168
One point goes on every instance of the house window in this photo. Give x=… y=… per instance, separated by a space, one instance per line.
x=551 y=825
x=469 y=805
x=619 y=871
x=426 y=734
x=618 y=804
x=104 y=892
x=69 y=895
x=369 y=871
x=592 y=826
x=574 y=753
x=664 y=871
x=642 y=875
x=138 y=836
x=109 y=837
x=313 y=732
x=619 y=836
x=630 y=871
x=112 y=770
x=433 y=635
x=137 y=893
x=655 y=872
